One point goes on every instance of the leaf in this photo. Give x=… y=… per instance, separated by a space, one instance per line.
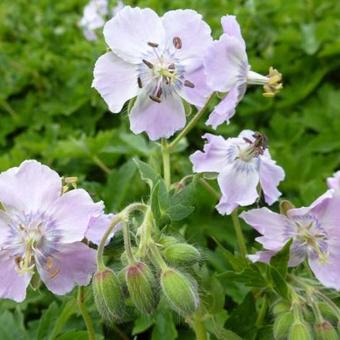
x=147 y=174
x=164 y=327
x=47 y=321
x=278 y=282
x=74 y=335
x=141 y=324
x=10 y=328
x=280 y=260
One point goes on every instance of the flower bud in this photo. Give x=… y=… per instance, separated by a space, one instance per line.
x=180 y=292
x=282 y=325
x=328 y=312
x=280 y=307
x=181 y=253
x=124 y=258
x=108 y=296
x=300 y=331
x=325 y=331
x=166 y=240
x=141 y=286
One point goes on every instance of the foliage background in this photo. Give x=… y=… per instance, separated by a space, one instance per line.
x=48 y=111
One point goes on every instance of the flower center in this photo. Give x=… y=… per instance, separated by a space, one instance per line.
x=254 y=149
x=310 y=238
x=161 y=73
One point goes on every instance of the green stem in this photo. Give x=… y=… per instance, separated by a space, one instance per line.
x=166 y=163
x=209 y=188
x=157 y=257
x=101 y=164
x=122 y=216
x=239 y=234
x=199 y=327
x=192 y=123
x=127 y=243
x=145 y=231
x=86 y=316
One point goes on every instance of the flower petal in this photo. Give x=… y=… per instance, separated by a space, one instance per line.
x=194 y=33
x=232 y=28
x=238 y=187
x=115 y=80
x=334 y=182
x=129 y=32
x=200 y=93
x=214 y=157
x=158 y=120
x=73 y=264
x=270 y=177
x=226 y=64
x=12 y=284
x=31 y=187
x=71 y=214
x=97 y=227
x=225 y=109
x=262 y=256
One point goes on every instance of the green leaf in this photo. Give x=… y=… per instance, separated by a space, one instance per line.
x=147 y=174
x=280 y=260
x=164 y=327
x=141 y=324
x=10 y=328
x=74 y=335
x=47 y=321
x=278 y=282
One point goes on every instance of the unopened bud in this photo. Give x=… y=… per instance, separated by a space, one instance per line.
x=108 y=296
x=328 y=312
x=124 y=258
x=325 y=331
x=141 y=286
x=180 y=292
x=282 y=324
x=166 y=240
x=280 y=307
x=300 y=331
x=285 y=205
x=181 y=253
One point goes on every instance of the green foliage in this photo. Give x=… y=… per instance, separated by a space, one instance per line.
x=49 y=111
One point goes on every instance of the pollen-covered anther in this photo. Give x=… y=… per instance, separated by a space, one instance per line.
x=188 y=83
x=273 y=84
x=148 y=64
x=155 y=99
x=139 y=82
x=177 y=42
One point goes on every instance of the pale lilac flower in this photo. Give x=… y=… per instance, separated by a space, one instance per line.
x=228 y=70
x=97 y=227
x=334 y=182
x=41 y=230
x=314 y=230
x=242 y=164
x=159 y=60
x=93 y=18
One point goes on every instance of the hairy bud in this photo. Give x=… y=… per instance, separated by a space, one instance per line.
x=180 y=292
x=108 y=296
x=141 y=286
x=181 y=253
x=300 y=331
x=280 y=307
x=166 y=240
x=325 y=331
x=282 y=325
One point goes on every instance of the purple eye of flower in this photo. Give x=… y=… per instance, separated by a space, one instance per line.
x=309 y=238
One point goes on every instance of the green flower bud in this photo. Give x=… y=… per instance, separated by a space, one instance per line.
x=300 y=331
x=108 y=296
x=325 y=331
x=280 y=307
x=282 y=324
x=166 y=240
x=141 y=286
x=181 y=253
x=180 y=292
x=328 y=312
x=285 y=205
x=124 y=258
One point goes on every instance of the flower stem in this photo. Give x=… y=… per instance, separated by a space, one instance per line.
x=209 y=188
x=86 y=316
x=122 y=216
x=166 y=163
x=127 y=243
x=239 y=234
x=101 y=164
x=192 y=123
x=144 y=231
x=199 y=327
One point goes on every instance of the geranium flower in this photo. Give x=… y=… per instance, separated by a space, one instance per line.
x=242 y=164
x=315 y=231
x=228 y=70
x=159 y=60
x=41 y=230
x=334 y=182
x=93 y=18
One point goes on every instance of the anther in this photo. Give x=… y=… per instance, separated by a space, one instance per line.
x=152 y=44
x=139 y=81
x=177 y=42
x=159 y=93
x=188 y=83
x=147 y=63
x=155 y=99
x=171 y=67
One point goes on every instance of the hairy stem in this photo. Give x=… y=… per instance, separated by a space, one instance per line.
x=192 y=123
x=127 y=243
x=85 y=314
x=239 y=234
x=209 y=188
x=199 y=327
x=101 y=164
x=166 y=163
